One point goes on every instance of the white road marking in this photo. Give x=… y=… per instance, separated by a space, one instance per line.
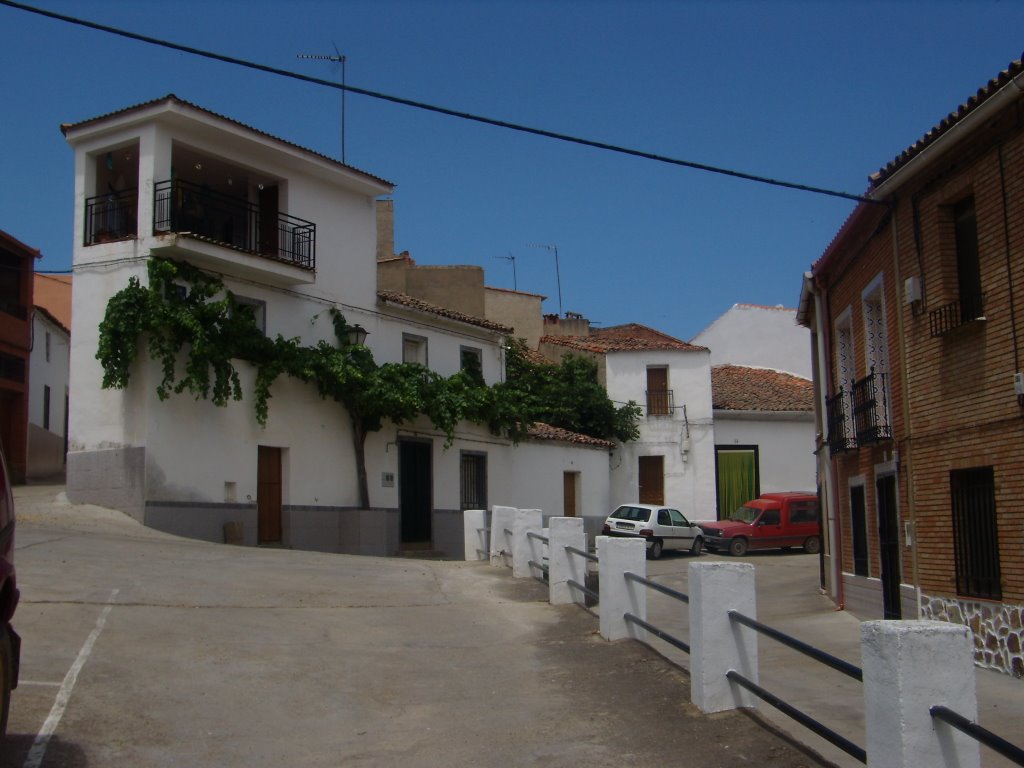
x=37 y=682
x=38 y=751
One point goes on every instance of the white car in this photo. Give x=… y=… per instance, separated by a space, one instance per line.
x=664 y=528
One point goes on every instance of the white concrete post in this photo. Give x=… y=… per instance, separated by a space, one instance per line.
x=526 y=548
x=910 y=666
x=475 y=535
x=718 y=644
x=618 y=596
x=502 y=518
x=565 y=566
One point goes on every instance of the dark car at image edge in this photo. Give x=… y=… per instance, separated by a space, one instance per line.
x=10 y=643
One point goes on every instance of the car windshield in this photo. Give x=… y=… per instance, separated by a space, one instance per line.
x=631 y=513
x=745 y=514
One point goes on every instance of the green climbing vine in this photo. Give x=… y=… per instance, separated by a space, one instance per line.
x=197 y=330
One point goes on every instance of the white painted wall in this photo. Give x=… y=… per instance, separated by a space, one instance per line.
x=786 y=447
x=764 y=337
x=52 y=373
x=687 y=444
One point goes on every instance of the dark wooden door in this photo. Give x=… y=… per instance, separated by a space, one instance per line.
x=268 y=495
x=569 y=494
x=268 y=204
x=889 y=546
x=652 y=479
x=657 y=392
x=415 y=491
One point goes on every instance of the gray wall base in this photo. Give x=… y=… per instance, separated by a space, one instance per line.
x=114 y=478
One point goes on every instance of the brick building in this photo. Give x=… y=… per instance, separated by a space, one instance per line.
x=917 y=336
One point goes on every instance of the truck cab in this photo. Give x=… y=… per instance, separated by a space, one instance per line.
x=771 y=521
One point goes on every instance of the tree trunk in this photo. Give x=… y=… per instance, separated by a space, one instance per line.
x=359 y=443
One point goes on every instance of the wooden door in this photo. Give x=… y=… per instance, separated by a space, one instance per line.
x=657 y=392
x=268 y=495
x=652 y=479
x=569 y=494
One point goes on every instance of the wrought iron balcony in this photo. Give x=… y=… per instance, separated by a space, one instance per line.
x=964 y=310
x=112 y=216
x=183 y=207
x=660 y=402
x=839 y=438
x=870 y=409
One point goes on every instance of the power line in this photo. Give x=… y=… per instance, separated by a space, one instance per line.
x=444 y=110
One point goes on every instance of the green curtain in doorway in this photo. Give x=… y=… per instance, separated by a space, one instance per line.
x=737 y=480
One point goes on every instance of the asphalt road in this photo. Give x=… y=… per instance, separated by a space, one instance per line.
x=143 y=649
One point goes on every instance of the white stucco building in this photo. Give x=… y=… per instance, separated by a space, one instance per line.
x=763 y=403
x=48 y=381
x=673 y=460
x=294 y=233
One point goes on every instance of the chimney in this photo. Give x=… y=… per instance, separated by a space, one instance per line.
x=573 y=324
x=385 y=230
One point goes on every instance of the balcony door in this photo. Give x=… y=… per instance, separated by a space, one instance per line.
x=651 y=471
x=268 y=202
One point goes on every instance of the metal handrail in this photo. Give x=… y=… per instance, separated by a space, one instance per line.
x=798 y=645
x=588 y=592
x=978 y=733
x=670 y=639
x=539 y=537
x=508 y=532
x=582 y=553
x=630 y=576
x=801 y=717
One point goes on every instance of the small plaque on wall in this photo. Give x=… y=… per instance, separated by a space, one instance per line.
x=387 y=479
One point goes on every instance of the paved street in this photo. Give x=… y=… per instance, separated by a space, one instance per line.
x=190 y=653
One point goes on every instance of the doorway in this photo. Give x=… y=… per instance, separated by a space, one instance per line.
x=268 y=208
x=889 y=546
x=415 y=493
x=651 y=471
x=268 y=495
x=570 y=480
x=736 y=472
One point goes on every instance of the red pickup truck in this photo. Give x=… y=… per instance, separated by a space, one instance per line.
x=771 y=521
x=10 y=643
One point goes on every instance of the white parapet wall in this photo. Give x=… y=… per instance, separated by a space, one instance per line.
x=565 y=566
x=525 y=547
x=476 y=534
x=616 y=557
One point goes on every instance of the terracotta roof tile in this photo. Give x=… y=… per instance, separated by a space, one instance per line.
x=743 y=388
x=53 y=293
x=541 y=431
x=602 y=345
x=409 y=302
x=984 y=93
x=171 y=98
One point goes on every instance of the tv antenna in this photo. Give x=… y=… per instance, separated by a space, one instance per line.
x=336 y=58
x=511 y=258
x=558 y=276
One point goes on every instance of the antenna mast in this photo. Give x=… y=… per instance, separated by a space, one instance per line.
x=337 y=58
x=558 y=275
x=510 y=257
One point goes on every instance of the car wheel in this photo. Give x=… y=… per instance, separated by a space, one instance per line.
x=654 y=551
x=738 y=547
x=5 y=679
x=698 y=545
x=813 y=545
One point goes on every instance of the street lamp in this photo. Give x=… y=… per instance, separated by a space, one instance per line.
x=357 y=335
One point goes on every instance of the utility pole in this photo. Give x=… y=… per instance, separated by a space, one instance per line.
x=337 y=58
x=558 y=275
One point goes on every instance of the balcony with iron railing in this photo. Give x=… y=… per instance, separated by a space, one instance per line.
x=840 y=439
x=966 y=309
x=191 y=209
x=870 y=409
x=660 y=402
x=111 y=216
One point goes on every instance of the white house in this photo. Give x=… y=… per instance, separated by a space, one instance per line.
x=763 y=403
x=294 y=234
x=48 y=376
x=673 y=460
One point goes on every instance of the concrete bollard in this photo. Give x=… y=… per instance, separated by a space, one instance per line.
x=618 y=596
x=903 y=679
x=565 y=566
x=718 y=644
x=502 y=518
x=474 y=533
x=526 y=548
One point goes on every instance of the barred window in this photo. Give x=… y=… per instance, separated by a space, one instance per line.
x=975 y=533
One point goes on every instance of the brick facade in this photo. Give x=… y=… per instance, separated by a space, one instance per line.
x=950 y=372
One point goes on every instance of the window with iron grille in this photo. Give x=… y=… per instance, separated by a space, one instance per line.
x=473 y=481
x=975 y=533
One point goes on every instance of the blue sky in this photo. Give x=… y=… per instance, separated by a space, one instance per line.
x=820 y=93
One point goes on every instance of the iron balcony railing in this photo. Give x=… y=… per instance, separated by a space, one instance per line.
x=113 y=216
x=184 y=207
x=870 y=409
x=660 y=402
x=839 y=438
x=964 y=310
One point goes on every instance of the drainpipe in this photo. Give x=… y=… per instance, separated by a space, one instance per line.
x=908 y=445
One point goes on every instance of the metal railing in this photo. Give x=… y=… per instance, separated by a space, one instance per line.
x=534 y=564
x=484 y=534
x=657 y=631
x=592 y=594
x=950 y=316
x=660 y=402
x=184 y=207
x=979 y=734
x=112 y=216
x=803 y=718
x=870 y=409
x=839 y=427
